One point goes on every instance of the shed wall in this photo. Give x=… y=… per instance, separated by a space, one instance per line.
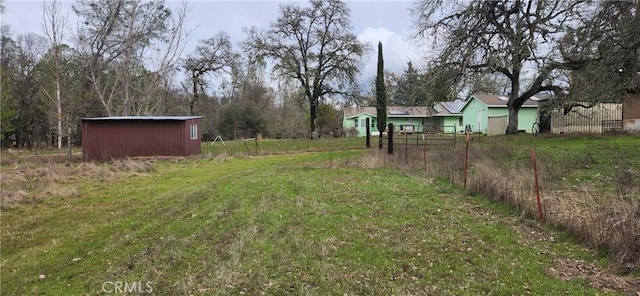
x=105 y=139
x=192 y=146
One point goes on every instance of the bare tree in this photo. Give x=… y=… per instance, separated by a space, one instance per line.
x=314 y=46
x=612 y=37
x=517 y=39
x=132 y=47
x=210 y=57
x=29 y=118
x=53 y=27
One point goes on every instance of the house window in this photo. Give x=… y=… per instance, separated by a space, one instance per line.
x=459 y=121
x=194 y=131
x=356 y=123
x=373 y=123
x=363 y=122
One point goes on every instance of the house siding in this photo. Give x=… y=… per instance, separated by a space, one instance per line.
x=526 y=118
x=448 y=124
x=400 y=123
x=476 y=114
x=451 y=124
x=361 y=130
x=470 y=116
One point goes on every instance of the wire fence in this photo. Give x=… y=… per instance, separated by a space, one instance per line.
x=589 y=185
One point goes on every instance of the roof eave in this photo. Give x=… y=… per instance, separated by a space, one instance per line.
x=158 y=118
x=448 y=115
x=363 y=113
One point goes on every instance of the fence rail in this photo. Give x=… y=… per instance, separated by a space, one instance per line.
x=584 y=118
x=423 y=135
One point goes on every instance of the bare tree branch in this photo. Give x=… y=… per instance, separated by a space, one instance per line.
x=518 y=39
x=313 y=45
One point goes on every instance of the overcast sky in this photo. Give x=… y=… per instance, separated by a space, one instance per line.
x=386 y=21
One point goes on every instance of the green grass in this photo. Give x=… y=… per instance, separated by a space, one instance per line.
x=599 y=161
x=313 y=223
x=239 y=147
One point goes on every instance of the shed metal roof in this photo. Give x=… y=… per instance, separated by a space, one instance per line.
x=179 y=118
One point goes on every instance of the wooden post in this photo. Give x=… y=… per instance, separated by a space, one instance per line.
x=406 y=147
x=257 y=146
x=466 y=161
x=368 y=133
x=424 y=152
x=535 y=173
x=390 y=139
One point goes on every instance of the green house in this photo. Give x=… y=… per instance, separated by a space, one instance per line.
x=448 y=118
x=354 y=121
x=488 y=114
x=404 y=119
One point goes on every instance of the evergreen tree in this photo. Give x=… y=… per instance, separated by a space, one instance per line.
x=381 y=95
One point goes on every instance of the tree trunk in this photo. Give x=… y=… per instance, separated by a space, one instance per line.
x=512 y=126
x=69 y=151
x=59 y=109
x=314 y=114
x=512 y=107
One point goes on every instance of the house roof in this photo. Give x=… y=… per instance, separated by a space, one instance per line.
x=350 y=112
x=144 y=118
x=453 y=108
x=501 y=100
x=392 y=111
x=409 y=111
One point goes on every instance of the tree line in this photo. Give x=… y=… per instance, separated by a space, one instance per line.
x=127 y=57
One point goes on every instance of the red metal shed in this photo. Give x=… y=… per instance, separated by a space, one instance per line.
x=104 y=138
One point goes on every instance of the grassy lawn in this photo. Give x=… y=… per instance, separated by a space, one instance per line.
x=312 y=223
x=269 y=146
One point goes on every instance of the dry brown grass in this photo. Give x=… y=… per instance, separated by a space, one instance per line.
x=609 y=220
x=30 y=180
x=598 y=220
